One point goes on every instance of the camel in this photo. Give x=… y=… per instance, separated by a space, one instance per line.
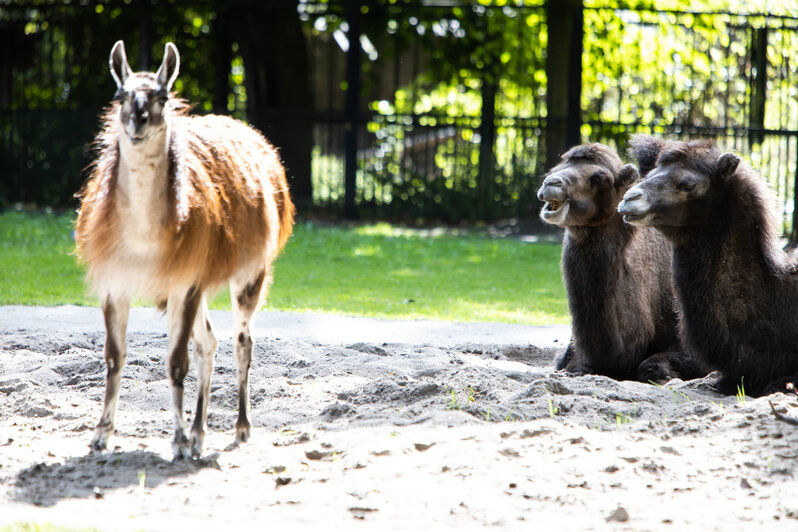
x=617 y=277
x=737 y=289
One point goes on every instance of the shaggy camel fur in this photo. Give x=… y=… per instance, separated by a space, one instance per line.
x=617 y=276
x=736 y=288
x=175 y=206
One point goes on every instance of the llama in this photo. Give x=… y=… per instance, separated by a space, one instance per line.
x=737 y=290
x=617 y=277
x=176 y=206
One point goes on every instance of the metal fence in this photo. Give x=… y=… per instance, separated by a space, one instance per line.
x=449 y=118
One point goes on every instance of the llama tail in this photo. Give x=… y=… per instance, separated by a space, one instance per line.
x=286 y=210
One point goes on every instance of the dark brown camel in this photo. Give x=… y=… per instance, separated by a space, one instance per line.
x=737 y=293
x=617 y=276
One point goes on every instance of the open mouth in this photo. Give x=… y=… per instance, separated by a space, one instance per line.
x=553 y=206
x=629 y=218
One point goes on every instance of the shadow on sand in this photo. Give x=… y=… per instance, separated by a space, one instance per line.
x=94 y=474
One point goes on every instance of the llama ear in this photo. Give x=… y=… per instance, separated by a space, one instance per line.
x=727 y=164
x=167 y=73
x=627 y=175
x=120 y=69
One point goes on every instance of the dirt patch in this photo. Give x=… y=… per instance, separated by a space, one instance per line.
x=398 y=435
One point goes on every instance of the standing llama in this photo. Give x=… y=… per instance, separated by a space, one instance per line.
x=618 y=277
x=737 y=290
x=175 y=206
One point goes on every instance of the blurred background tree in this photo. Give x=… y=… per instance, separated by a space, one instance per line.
x=461 y=106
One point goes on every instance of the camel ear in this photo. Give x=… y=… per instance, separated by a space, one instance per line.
x=120 y=69
x=727 y=164
x=167 y=73
x=645 y=149
x=627 y=175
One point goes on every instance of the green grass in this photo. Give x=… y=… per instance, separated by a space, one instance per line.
x=371 y=270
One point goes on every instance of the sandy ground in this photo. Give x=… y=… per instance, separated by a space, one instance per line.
x=380 y=425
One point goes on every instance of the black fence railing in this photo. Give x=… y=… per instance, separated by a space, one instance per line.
x=450 y=121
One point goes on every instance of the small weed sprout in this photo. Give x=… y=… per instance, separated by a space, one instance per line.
x=677 y=396
x=553 y=410
x=741 y=392
x=471 y=394
x=454 y=403
x=142 y=478
x=487 y=414
x=622 y=419
x=512 y=416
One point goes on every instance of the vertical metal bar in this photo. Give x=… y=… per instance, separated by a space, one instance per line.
x=145 y=38
x=352 y=104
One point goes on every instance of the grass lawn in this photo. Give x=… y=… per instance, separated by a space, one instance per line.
x=370 y=270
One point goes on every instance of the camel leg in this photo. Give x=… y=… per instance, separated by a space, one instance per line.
x=115 y=311
x=181 y=311
x=670 y=364
x=204 y=350
x=245 y=294
x=566 y=358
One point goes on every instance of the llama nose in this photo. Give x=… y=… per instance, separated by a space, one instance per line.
x=140 y=109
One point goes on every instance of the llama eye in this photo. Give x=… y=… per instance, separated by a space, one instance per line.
x=686 y=186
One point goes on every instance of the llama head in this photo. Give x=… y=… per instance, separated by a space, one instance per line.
x=685 y=180
x=585 y=188
x=143 y=95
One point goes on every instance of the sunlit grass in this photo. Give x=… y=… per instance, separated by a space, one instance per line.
x=370 y=270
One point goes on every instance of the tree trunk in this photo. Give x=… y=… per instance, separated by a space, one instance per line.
x=564 y=19
x=277 y=80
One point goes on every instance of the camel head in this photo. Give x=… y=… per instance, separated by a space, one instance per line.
x=585 y=188
x=142 y=95
x=680 y=187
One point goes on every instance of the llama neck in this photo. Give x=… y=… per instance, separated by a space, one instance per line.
x=143 y=179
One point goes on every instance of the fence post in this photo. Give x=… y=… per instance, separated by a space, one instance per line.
x=758 y=83
x=145 y=38
x=564 y=20
x=352 y=104
x=487 y=140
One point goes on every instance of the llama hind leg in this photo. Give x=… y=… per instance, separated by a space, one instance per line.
x=115 y=312
x=245 y=295
x=181 y=311
x=204 y=350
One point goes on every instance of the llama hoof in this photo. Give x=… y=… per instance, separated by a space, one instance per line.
x=99 y=441
x=97 y=446
x=180 y=448
x=180 y=452
x=196 y=445
x=242 y=434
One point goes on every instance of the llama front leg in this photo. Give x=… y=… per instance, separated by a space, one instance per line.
x=245 y=296
x=204 y=350
x=181 y=311
x=115 y=311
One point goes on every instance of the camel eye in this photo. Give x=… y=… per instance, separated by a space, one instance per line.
x=686 y=185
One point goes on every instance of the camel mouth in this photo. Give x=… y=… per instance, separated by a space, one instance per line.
x=636 y=219
x=555 y=212
x=553 y=206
